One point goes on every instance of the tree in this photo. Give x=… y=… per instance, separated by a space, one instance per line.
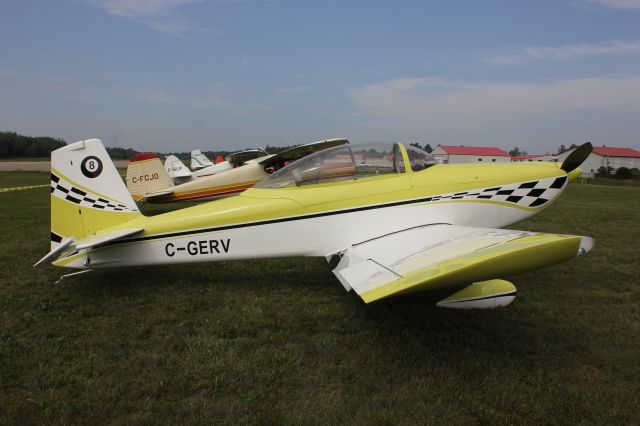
x=121 y=153
x=15 y=145
x=562 y=149
x=622 y=173
x=604 y=171
x=426 y=148
x=515 y=152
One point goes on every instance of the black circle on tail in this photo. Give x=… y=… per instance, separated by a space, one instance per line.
x=91 y=167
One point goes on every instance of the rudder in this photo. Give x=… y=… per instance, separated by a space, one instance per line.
x=176 y=168
x=146 y=175
x=199 y=160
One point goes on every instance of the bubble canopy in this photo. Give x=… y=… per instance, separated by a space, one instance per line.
x=348 y=162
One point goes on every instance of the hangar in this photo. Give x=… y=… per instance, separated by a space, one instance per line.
x=535 y=157
x=606 y=156
x=446 y=154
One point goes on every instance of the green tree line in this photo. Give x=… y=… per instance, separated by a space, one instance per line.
x=13 y=145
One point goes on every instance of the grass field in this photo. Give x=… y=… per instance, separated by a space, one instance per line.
x=280 y=341
x=26 y=159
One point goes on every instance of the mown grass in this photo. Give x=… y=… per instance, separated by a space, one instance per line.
x=22 y=178
x=610 y=181
x=279 y=341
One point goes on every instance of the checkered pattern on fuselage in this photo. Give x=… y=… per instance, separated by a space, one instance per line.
x=526 y=194
x=65 y=190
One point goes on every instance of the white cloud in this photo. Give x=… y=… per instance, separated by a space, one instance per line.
x=618 y=4
x=565 y=52
x=159 y=15
x=134 y=8
x=464 y=111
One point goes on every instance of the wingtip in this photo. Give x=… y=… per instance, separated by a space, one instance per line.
x=586 y=244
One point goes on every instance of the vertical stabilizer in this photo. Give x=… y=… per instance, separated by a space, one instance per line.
x=176 y=168
x=199 y=160
x=87 y=193
x=146 y=176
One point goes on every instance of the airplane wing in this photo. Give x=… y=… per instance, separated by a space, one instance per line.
x=301 y=151
x=440 y=255
x=241 y=157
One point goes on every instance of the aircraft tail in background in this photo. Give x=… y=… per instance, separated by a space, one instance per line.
x=176 y=168
x=199 y=160
x=146 y=177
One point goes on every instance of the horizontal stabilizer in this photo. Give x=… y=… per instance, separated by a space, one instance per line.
x=70 y=244
x=159 y=193
x=96 y=240
x=56 y=251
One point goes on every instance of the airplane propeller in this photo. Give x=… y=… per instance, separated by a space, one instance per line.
x=577 y=157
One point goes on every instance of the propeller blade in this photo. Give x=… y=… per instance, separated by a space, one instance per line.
x=577 y=157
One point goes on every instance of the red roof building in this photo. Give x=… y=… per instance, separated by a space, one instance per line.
x=474 y=150
x=526 y=157
x=607 y=157
x=607 y=151
x=469 y=154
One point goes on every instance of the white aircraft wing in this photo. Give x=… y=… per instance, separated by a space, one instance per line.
x=437 y=256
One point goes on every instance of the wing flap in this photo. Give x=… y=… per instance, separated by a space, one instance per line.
x=437 y=256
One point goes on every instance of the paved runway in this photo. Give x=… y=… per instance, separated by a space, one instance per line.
x=41 y=166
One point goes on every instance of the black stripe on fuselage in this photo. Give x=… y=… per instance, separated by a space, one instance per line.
x=274 y=221
x=268 y=222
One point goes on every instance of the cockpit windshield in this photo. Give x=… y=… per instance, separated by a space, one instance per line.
x=347 y=162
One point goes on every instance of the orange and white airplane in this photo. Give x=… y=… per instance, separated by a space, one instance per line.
x=147 y=179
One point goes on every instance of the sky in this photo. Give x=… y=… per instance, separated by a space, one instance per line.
x=175 y=75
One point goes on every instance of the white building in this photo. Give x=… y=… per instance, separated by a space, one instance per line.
x=446 y=154
x=605 y=156
x=535 y=157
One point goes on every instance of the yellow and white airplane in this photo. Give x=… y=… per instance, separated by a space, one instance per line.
x=387 y=217
x=147 y=179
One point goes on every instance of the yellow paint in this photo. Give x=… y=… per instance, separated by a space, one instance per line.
x=481 y=289
x=521 y=255
x=262 y=204
x=70 y=219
